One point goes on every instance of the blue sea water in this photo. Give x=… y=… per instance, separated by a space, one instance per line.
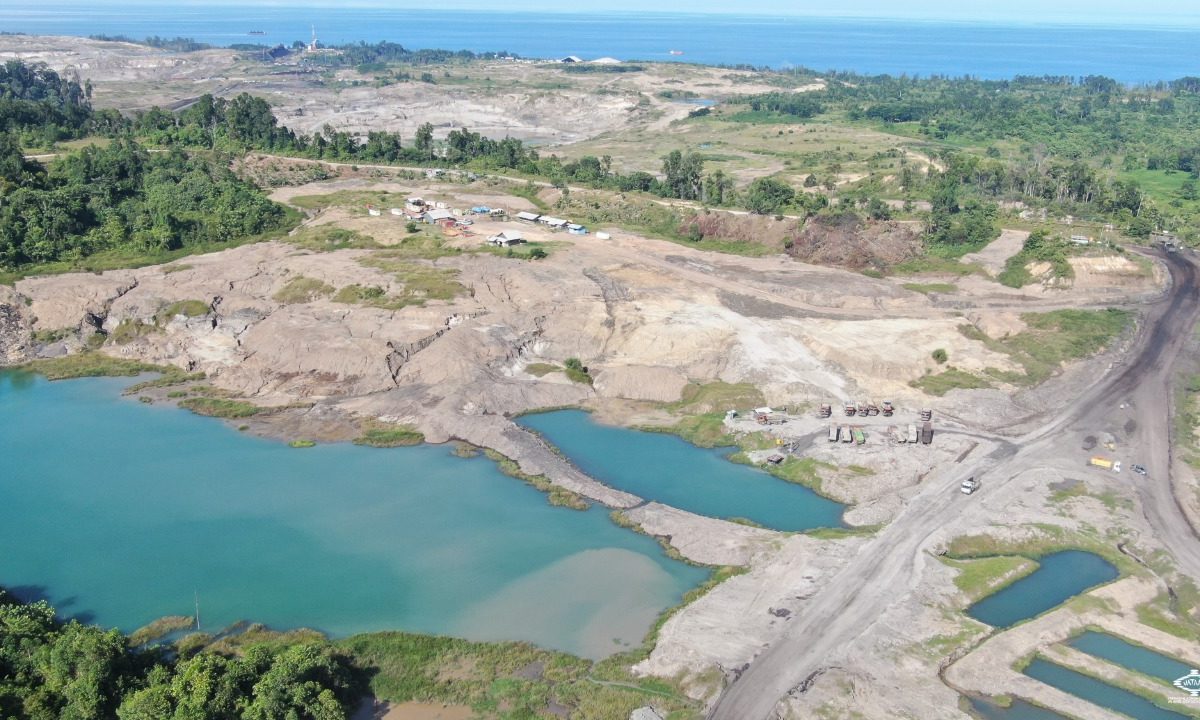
x=667 y=469
x=1131 y=54
x=120 y=512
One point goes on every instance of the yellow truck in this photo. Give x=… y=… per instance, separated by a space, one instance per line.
x=1101 y=462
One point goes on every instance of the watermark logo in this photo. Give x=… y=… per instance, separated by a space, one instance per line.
x=1190 y=684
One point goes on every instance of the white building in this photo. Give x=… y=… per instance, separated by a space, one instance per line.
x=528 y=216
x=507 y=238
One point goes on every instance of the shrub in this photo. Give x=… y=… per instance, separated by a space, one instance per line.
x=940 y=356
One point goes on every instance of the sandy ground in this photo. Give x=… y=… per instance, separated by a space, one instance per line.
x=373 y=709
x=538 y=103
x=993 y=257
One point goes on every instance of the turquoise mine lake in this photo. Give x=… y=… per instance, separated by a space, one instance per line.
x=120 y=512
x=1126 y=654
x=1059 y=577
x=666 y=469
x=1097 y=692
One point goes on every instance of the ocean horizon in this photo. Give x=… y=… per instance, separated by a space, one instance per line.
x=916 y=47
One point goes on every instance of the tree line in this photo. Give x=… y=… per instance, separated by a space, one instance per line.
x=55 y=670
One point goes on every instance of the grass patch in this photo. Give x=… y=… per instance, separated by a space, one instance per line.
x=52 y=336
x=220 y=407
x=94 y=364
x=842 y=533
x=801 y=471
x=1038 y=247
x=707 y=430
x=1049 y=340
x=1053 y=338
x=541 y=369
x=186 y=308
x=981 y=577
x=558 y=496
x=327 y=238
x=160 y=628
x=1043 y=540
x=299 y=444
x=717 y=396
x=929 y=288
x=171 y=379
x=354 y=199
x=576 y=372
x=129 y=330
x=421 y=281
x=301 y=289
x=950 y=379
x=427 y=243
x=378 y=435
x=505 y=680
x=934 y=265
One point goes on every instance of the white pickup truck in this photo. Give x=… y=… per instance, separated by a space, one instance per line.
x=969 y=486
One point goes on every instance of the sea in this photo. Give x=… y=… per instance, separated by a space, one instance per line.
x=1133 y=54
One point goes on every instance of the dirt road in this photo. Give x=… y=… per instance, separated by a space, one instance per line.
x=885 y=570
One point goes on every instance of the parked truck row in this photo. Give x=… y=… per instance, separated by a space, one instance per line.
x=912 y=434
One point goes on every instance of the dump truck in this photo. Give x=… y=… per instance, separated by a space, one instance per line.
x=851 y=410
x=912 y=433
x=1101 y=462
x=926 y=433
x=833 y=433
x=887 y=408
x=825 y=411
x=859 y=437
x=847 y=434
x=872 y=409
x=864 y=409
x=926 y=414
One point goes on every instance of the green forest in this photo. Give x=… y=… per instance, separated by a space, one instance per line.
x=54 y=670
x=1078 y=146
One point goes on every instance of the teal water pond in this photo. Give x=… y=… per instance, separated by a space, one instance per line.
x=1059 y=577
x=120 y=512
x=1097 y=692
x=667 y=469
x=1128 y=655
x=1018 y=710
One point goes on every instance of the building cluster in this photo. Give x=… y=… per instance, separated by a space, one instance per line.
x=417 y=209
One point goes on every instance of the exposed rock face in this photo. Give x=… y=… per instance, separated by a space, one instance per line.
x=16 y=343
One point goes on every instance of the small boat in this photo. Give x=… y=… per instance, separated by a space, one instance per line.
x=257 y=32
x=675 y=52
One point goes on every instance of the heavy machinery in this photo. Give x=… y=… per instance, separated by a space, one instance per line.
x=926 y=415
x=851 y=410
x=887 y=408
x=926 y=433
x=859 y=437
x=864 y=409
x=912 y=433
x=834 y=431
x=969 y=486
x=825 y=411
x=872 y=409
x=1101 y=462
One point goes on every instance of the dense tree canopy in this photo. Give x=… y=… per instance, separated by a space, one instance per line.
x=50 y=670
